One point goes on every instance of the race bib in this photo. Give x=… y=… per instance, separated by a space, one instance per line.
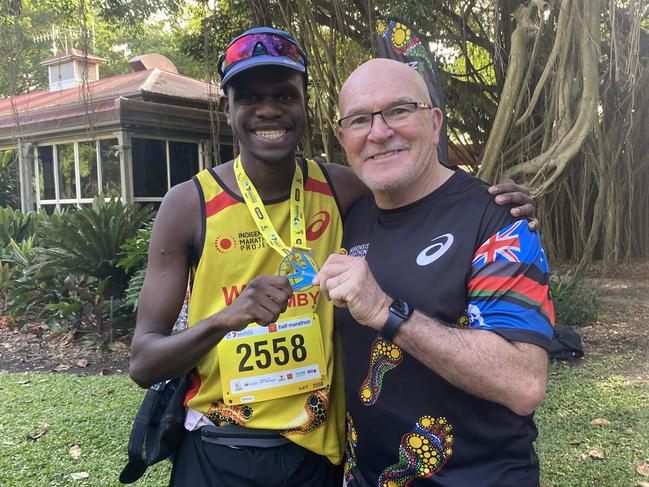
x=282 y=359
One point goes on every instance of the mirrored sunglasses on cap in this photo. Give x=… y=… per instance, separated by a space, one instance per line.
x=250 y=45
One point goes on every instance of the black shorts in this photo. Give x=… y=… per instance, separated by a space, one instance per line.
x=198 y=463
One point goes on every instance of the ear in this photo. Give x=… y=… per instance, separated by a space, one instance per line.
x=340 y=135
x=224 y=105
x=438 y=117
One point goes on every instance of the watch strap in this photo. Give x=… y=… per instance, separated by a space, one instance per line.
x=400 y=311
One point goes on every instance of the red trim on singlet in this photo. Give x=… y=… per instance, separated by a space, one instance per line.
x=220 y=202
x=316 y=186
x=194 y=386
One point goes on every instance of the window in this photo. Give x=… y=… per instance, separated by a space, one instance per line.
x=183 y=161
x=73 y=173
x=111 y=174
x=9 y=178
x=88 y=176
x=149 y=168
x=46 y=185
x=67 y=180
x=226 y=153
x=160 y=164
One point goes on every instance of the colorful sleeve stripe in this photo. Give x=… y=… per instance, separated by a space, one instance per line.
x=508 y=291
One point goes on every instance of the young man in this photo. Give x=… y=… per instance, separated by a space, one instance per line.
x=265 y=407
x=445 y=313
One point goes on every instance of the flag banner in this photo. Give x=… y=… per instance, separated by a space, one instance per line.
x=398 y=40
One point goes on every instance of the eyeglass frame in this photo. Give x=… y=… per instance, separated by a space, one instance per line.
x=418 y=106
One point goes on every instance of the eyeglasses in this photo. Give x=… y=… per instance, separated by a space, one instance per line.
x=249 y=45
x=393 y=116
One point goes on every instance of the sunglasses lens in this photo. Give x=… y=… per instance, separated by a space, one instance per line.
x=274 y=45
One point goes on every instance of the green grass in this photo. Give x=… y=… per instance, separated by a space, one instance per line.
x=575 y=397
x=96 y=413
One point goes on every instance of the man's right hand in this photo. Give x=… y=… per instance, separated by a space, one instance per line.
x=261 y=302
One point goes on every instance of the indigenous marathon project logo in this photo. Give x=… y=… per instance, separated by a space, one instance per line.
x=254 y=240
x=225 y=244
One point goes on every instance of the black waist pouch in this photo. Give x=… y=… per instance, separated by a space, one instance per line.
x=158 y=429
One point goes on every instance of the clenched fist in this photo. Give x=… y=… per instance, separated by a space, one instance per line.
x=349 y=283
x=262 y=301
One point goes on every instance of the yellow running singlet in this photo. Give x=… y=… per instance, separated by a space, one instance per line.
x=234 y=252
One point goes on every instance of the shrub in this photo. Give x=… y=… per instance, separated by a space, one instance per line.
x=88 y=241
x=574 y=302
x=73 y=280
x=17 y=225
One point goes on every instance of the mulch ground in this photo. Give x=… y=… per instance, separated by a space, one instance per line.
x=34 y=348
x=622 y=326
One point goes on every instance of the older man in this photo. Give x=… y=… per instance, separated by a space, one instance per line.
x=443 y=304
x=265 y=406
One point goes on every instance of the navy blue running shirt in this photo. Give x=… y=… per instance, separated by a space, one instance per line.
x=462 y=259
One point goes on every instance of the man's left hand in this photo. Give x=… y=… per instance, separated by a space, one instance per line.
x=510 y=193
x=348 y=282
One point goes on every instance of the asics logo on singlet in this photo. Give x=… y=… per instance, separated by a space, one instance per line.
x=433 y=252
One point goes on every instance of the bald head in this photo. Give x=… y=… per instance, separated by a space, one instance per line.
x=376 y=75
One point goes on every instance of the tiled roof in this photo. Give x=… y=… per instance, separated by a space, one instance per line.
x=135 y=84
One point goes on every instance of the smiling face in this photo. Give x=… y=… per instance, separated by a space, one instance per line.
x=266 y=109
x=390 y=160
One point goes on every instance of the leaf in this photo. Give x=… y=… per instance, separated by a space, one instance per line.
x=106 y=371
x=79 y=475
x=628 y=432
x=61 y=368
x=35 y=435
x=642 y=483
x=595 y=454
x=600 y=422
x=642 y=467
x=83 y=363
x=75 y=451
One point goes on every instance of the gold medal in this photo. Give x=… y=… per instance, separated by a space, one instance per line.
x=299 y=267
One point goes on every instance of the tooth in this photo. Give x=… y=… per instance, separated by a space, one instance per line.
x=270 y=134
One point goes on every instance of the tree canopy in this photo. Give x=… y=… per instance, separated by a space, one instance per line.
x=554 y=93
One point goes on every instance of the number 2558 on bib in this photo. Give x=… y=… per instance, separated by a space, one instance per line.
x=282 y=359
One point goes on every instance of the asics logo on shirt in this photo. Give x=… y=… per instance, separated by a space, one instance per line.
x=433 y=252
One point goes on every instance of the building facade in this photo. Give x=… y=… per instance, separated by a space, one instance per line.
x=131 y=136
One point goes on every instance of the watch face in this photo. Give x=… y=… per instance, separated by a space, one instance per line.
x=399 y=306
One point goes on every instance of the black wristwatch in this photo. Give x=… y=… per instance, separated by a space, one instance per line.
x=400 y=311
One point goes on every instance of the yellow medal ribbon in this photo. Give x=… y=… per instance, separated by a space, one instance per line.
x=260 y=215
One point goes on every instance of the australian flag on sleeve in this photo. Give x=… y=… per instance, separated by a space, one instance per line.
x=509 y=290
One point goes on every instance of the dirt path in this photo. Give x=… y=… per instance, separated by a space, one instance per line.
x=622 y=326
x=623 y=318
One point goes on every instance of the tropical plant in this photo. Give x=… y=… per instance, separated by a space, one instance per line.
x=88 y=240
x=27 y=280
x=574 y=302
x=16 y=225
x=84 y=245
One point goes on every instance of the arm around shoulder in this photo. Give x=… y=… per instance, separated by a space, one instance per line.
x=348 y=187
